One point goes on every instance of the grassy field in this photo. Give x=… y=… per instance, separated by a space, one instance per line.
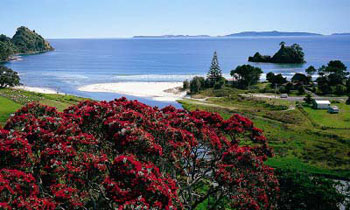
x=11 y=100
x=304 y=139
x=324 y=119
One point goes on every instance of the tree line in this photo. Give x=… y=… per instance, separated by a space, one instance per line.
x=333 y=78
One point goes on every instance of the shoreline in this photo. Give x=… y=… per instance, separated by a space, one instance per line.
x=158 y=91
x=37 y=89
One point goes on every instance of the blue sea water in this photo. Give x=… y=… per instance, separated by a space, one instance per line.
x=78 y=62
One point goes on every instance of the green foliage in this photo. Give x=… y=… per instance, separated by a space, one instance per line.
x=277 y=79
x=6 y=48
x=246 y=75
x=311 y=70
x=333 y=79
x=220 y=83
x=186 y=85
x=340 y=89
x=301 y=90
x=336 y=66
x=8 y=77
x=197 y=84
x=301 y=78
x=214 y=73
x=308 y=99
x=302 y=191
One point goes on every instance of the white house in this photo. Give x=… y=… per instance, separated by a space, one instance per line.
x=321 y=104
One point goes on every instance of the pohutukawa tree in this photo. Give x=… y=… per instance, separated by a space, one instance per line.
x=124 y=154
x=8 y=77
x=214 y=73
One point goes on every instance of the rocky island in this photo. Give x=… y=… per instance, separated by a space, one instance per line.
x=286 y=54
x=25 y=41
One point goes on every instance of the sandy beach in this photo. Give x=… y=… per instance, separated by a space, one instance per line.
x=37 y=89
x=160 y=91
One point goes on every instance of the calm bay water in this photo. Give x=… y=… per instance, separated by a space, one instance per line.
x=78 y=62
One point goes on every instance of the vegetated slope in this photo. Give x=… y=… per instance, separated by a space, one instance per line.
x=24 y=41
x=297 y=142
x=28 y=41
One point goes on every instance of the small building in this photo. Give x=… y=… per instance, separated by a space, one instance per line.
x=321 y=104
x=333 y=109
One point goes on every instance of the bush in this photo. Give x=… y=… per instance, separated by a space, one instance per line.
x=308 y=99
x=220 y=83
x=340 y=89
x=302 y=191
x=124 y=155
x=348 y=101
x=197 y=84
x=8 y=77
x=301 y=90
x=186 y=85
x=282 y=89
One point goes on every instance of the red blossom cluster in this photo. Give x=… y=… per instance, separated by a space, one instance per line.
x=124 y=154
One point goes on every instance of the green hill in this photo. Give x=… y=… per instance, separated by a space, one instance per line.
x=25 y=41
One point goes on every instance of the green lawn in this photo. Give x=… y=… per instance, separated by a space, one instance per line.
x=7 y=107
x=297 y=142
x=11 y=100
x=325 y=119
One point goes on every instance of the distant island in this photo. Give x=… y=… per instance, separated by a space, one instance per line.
x=341 y=34
x=271 y=33
x=25 y=41
x=286 y=54
x=173 y=36
x=240 y=34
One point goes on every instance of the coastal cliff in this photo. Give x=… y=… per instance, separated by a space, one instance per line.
x=25 y=41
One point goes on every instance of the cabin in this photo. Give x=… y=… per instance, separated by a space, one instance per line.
x=321 y=104
x=333 y=109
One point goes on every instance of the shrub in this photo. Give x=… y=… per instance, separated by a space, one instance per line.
x=301 y=90
x=302 y=191
x=197 y=84
x=308 y=99
x=220 y=83
x=340 y=89
x=8 y=77
x=125 y=154
x=186 y=85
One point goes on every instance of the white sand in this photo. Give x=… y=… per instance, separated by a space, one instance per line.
x=160 y=91
x=37 y=89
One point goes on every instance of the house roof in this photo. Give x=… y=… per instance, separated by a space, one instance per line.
x=322 y=102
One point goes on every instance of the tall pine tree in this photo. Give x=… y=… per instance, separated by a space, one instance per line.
x=214 y=73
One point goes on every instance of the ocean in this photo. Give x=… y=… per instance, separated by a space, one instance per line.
x=78 y=62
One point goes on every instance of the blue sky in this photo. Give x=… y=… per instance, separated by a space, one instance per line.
x=126 y=18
